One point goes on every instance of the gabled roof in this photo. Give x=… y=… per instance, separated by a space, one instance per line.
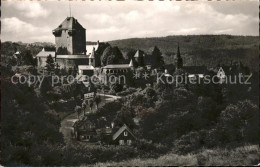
x=46 y=54
x=131 y=64
x=71 y=57
x=69 y=23
x=117 y=66
x=139 y=53
x=122 y=129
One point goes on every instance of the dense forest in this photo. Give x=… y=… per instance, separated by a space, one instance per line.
x=199 y=49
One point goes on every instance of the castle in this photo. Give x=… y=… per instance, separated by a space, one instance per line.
x=72 y=52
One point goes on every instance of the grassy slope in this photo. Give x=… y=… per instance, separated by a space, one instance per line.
x=199 y=49
x=244 y=155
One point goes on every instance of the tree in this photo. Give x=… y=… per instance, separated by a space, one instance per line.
x=124 y=117
x=150 y=95
x=111 y=55
x=84 y=106
x=115 y=88
x=77 y=109
x=45 y=86
x=91 y=103
x=97 y=100
x=157 y=59
x=239 y=122
x=50 y=65
x=107 y=52
x=28 y=58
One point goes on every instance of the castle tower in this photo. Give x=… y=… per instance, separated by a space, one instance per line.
x=91 y=58
x=70 y=38
x=178 y=59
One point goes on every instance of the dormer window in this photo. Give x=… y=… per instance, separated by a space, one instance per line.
x=125 y=133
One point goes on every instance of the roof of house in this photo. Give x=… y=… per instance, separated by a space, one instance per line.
x=139 y=53
x=195 y=69
x=71 y=57
x=131 y=64
x=45 y=54
x=69 y=23
x=85 y=67
x=115 y=66
x=123 y=128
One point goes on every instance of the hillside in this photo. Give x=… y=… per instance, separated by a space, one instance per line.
x=206 y=50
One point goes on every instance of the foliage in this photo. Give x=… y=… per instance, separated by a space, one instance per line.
x=239 y=156
x=50 y=65
x=199 y=49
x=30 y=125
x=111 y=55
x=157 y=59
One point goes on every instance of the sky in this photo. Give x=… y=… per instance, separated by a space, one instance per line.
x=33 y=21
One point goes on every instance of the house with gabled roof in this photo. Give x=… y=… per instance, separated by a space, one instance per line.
x=123 y=136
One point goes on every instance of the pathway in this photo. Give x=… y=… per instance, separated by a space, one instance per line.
x=67 y=123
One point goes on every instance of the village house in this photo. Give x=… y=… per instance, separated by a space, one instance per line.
x=85 y=130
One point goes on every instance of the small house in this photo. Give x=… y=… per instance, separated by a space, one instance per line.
x=123 y=136
x=85 y=130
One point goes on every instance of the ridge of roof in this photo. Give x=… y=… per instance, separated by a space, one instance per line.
x=124 y=127
x=117 y=66
x=69 y=23
x=46 y=54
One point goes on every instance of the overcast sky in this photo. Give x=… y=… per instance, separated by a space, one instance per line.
x=29 y=21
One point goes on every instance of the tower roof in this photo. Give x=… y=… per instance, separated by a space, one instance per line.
x=131 y=64
x=139 y=53
x=69 y=23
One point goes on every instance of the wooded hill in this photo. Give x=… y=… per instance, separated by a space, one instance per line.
x=208 y=50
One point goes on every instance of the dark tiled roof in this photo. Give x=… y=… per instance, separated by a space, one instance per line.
x=69 y=23
x=139 y=53
x=124 y=127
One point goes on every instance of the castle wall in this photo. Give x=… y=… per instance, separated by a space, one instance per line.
x=79 y=42
x=70 y=63
x=64 y=43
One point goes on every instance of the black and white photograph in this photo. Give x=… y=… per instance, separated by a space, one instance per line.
x=129 y=83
